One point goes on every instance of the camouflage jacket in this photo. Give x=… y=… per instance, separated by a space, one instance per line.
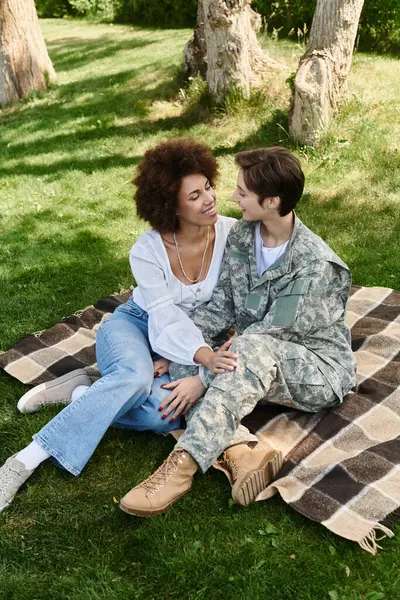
x=301 y=298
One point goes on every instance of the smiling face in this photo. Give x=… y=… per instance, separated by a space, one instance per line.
x=250 y=205
x=196 y=201
x=248 y=201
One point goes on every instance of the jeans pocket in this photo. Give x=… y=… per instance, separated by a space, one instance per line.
x=135 y=310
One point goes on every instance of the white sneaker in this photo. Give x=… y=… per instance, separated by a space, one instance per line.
x=12 y=475
x=57 y=391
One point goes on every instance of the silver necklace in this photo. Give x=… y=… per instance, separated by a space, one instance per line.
x=268 y=248
x=261 y=235
x=202 y=260
x=280 y=251
x=196 y=296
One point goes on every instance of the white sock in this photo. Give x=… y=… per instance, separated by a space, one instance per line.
x=78 y=391
x=32 y=455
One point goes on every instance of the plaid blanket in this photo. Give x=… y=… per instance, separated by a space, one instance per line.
x=342 y=465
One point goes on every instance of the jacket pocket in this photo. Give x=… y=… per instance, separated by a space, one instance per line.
x=287 y=303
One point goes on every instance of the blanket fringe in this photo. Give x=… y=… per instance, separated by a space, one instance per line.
x=369 y=543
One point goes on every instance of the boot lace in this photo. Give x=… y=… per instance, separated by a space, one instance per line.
x=164 y=472
x=230 y=464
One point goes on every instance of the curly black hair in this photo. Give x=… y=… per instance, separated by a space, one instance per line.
x=159 y=175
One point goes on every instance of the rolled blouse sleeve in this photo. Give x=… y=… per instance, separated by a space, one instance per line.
x=172 y=334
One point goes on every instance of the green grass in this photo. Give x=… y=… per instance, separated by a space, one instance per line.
x=67 y=223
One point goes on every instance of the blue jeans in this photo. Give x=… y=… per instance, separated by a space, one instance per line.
x=127 y=395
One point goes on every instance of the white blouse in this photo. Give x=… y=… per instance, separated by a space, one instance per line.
x=168 y=302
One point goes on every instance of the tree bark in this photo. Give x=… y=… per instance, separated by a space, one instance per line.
x=195 y=51
x=25 y=65
x=224 y=49
x=320 y=85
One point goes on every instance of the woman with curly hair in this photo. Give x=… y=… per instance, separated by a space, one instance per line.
x=176 y=266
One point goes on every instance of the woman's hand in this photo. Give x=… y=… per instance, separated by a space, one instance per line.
x=222 y=360
x=161 y=366
x=185 y=393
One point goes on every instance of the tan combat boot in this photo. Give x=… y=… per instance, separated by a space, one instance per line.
x=250 y=470
x=157 y=493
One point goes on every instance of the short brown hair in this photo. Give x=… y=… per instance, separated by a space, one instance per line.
x=159 y=175
x=273 y=172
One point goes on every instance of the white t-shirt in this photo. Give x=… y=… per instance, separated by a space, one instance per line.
x=265 y=257
x=167 y=300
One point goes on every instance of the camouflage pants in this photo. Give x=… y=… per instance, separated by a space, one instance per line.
x=269 y=370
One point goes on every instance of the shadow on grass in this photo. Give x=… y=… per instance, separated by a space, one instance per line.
x=363 y=235
x=84 y=112
x=91 y=119
x=74 y=52
x=73 y=267
x=79 y=116
x=271 y=133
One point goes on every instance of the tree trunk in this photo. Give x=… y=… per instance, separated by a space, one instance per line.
x=224 y=49
x=25 y=65
x=195 y=52
x=320 y=85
